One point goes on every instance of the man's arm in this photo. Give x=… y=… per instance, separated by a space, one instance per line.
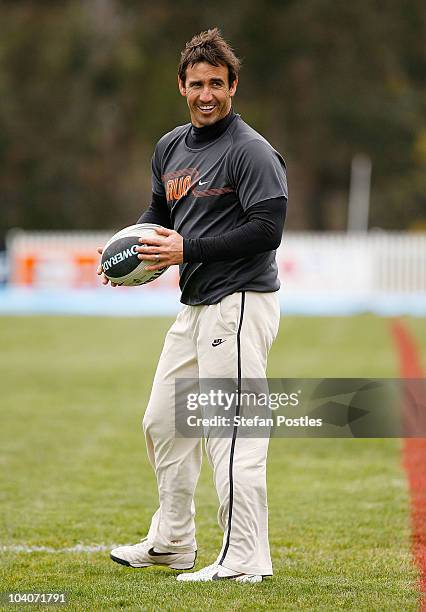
x=158 y=212
x=262 y=232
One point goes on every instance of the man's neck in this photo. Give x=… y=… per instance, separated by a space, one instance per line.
x=200 y=136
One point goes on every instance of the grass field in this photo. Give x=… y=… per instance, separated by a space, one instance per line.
x=74 y=471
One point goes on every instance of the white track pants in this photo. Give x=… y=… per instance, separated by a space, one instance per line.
x=248 y=323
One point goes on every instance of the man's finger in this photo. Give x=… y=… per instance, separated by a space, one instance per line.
x=99 y=250
x=163 y=231
x=151 y=257
x=152 y=241
x=147 y=250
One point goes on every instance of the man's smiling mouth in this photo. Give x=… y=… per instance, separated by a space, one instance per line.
x=207 y=108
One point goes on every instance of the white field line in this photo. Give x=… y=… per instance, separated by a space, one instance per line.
x=78 y=548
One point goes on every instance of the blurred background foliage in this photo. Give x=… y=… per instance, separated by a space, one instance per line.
x=88 y=87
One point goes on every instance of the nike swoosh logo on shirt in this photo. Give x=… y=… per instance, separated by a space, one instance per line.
x=203 y=182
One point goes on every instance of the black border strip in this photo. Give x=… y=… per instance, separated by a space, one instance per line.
x=234 y=434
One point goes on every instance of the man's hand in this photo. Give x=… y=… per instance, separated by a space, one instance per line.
x=99 y=271
x=166 y=249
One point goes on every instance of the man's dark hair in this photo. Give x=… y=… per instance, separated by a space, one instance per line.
x=209 y=47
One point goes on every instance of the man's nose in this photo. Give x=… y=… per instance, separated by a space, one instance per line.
x=206 y=94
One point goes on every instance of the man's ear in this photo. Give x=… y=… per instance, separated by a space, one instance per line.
x=233 y=87
x=181 y=86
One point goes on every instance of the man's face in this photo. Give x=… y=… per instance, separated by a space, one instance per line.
x=207 y=93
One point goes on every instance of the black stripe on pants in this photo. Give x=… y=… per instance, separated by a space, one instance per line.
x=234 y=434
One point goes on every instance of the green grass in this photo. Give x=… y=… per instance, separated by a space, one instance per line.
x=74 y=470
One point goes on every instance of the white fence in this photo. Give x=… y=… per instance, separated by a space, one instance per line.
x=364 y=263
x=327 y=273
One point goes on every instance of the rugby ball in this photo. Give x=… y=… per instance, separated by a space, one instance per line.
x=120 y=262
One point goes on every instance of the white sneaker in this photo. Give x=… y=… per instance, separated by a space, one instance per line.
x=203 y=575
x=217 y=572
x=144 y=555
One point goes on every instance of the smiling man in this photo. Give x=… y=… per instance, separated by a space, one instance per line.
x=219 y=191
x=208 y=92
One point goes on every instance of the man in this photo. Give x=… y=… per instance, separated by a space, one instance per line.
x=220 y=195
